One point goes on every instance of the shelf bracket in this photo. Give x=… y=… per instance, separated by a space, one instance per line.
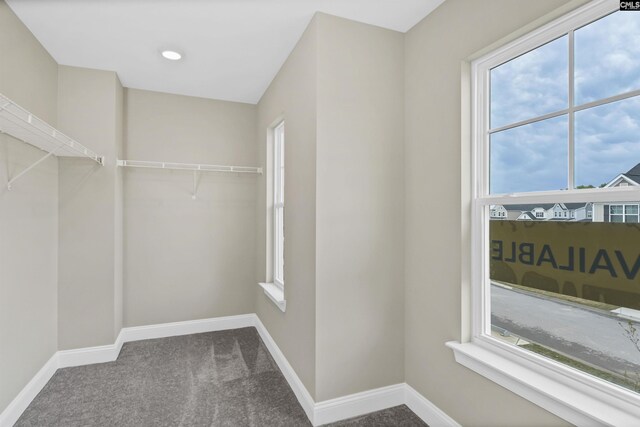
x=195 y=185
x=15 y=178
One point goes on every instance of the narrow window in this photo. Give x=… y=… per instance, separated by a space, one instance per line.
x=278 y=205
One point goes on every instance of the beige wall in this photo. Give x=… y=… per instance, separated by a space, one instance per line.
x=292 y=96
x=88 y=289
x=28 y=74
x=436 y=219
x=359 y=208
x=28 y=216
x=340 y=93
x=368 y=255
x=188 y=259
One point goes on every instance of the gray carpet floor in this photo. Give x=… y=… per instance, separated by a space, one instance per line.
x=397 y=416
x=225 y=378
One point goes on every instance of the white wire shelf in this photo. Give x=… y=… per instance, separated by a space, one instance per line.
x=21 y=124
x=193 y=167
x=188 y=166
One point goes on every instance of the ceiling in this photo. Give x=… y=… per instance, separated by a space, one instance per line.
x=231 y=49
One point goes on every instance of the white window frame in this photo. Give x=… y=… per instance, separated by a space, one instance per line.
x=573 y=395
x=278 y=203
x=636 y=215
x=624 y=213
x=612 y=214
x=274 y=289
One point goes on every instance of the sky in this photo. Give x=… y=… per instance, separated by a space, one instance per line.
x=534 y=157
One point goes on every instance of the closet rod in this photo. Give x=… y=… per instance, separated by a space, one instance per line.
x=188 y=166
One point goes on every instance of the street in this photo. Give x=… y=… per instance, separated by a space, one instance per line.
x=584 y=334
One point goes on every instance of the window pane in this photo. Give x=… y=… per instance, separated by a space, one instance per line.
x=616 y=209
x=278 y=231
x=568 y=288
x=279 y=164
x=279 y=236
x=607 y=57
x=530 y=85
x=530 y=158
x=631 y=209
x=607 y=141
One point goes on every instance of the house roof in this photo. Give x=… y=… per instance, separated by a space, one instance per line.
x=545 y=206
x=575 y=205
x=529 y=214
x=634 y=173
x=513 y=215
x=529 y=207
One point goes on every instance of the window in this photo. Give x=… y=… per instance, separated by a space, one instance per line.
x=616 y=213
x=274 y=289
x=278 y=205
x=623 y=213
x=556 y=116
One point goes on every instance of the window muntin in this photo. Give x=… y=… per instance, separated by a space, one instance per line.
x=596 y=138
x=624 y=213
x=491 y=182
x=278 y=205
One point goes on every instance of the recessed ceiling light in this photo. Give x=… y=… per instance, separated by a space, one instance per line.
x=171 y=55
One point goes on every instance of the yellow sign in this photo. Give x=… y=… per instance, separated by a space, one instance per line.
x=592 y=260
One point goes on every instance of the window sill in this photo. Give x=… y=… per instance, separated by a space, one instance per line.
x=275 y=294
x=574 y=396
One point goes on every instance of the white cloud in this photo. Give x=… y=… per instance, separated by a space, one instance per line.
x=607 y=141
x=530 y=85
x=530 y=158
x=607 y=57
x=534 y=157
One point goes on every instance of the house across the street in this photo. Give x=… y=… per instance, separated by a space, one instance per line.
x=589 y=212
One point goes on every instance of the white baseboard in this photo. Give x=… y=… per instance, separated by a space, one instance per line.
x=301 y=392
x=10 y=415
x=175 y=329
x=318 y=413
x=90 y=355
x=357 y=404
x=110 y=352
x=353 y=405
x=427 y=411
